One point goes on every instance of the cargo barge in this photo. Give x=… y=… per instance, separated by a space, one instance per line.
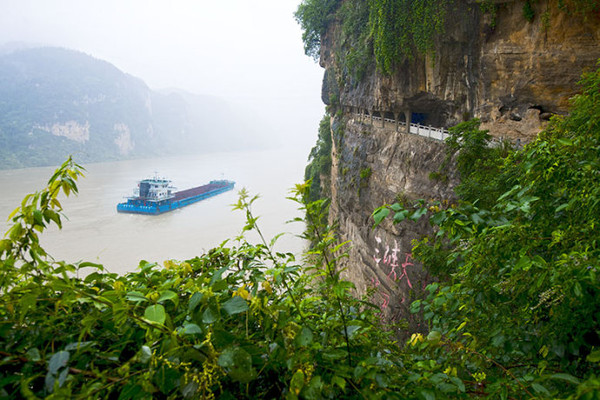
x=156 y=196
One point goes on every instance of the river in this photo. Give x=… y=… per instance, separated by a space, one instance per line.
x=95 y=231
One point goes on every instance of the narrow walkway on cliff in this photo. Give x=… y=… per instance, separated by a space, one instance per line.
x=440 y=134
x=416 y=129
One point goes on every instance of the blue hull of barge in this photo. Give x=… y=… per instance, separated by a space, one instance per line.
x=135 y=206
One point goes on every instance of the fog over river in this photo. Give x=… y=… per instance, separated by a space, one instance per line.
x=95 y=231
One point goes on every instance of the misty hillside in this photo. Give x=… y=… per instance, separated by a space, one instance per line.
x=55 y=102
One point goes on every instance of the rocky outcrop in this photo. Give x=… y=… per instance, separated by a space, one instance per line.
x=511 y=73
x=123 y=139
x=496 y=68
x=374 y=165
x=71 y=130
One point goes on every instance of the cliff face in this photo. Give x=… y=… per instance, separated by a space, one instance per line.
x=510 y=73
x=374 y=165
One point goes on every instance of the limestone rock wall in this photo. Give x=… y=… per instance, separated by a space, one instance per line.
x=374 y=165
x=510 y=73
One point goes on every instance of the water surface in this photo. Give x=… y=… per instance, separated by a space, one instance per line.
x=95 y=231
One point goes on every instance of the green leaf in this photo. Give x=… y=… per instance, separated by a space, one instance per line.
x=297 y=382
x=79 y=346
x=426 y=394
x=561 y=207
x=498 y=340
x=434 y=337
x=90 y=265
x=352 y=329
x=238 y=364
x=382 y=380
x=332 y=355
x=62 y=376
x=476 y=219
x=418 y=213
x=51 y=215
x=12 y=214
x=275 y=238
x=33 y=355
x=415 y=306
x=191 y=329
x=27 y=302
x=339 y=381
x=438 y=217
x=459 y=383
x=314 y=388
x=235 y=305
x=566 y=377
x=524 y=264
x=194 y=301
x=38 y=218
x=379 y=214
x=15 y=232
x=167 y=379
x=5 y=245
x=209 y=316
x=217 y=277
x=167 y=295
x=594 y=356
x=305 y=337
x=396 y=207
x=58 y=361
x=540 y=389
x=189 y=390
x=135 y=296
x=130 y=391
x=339 y=246
x=155 y=313
x=400 y=216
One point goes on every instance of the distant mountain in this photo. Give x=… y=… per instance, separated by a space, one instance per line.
x=55 y=102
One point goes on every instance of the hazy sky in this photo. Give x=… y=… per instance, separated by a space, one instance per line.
x=249 y=51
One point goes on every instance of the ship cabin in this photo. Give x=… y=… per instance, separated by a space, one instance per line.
x=154 y=190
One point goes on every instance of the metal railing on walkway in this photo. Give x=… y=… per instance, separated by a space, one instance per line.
x=416 y=129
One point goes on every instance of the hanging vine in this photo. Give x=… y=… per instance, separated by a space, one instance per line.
x=403 y=28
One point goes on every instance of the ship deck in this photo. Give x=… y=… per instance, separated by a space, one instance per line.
x=184 y=194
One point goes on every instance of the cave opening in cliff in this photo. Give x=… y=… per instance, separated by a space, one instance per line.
x=419 y=118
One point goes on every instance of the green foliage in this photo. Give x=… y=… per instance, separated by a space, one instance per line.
x=528 y=12
x=478 y=161
x=384 y=32
x=319 y=166
x=438 y=176
x=365 y=173
x=237 y=322
x=489 y=7
x=356 y=45
x=314 y=16
x=517 y=314
x=400 y=28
